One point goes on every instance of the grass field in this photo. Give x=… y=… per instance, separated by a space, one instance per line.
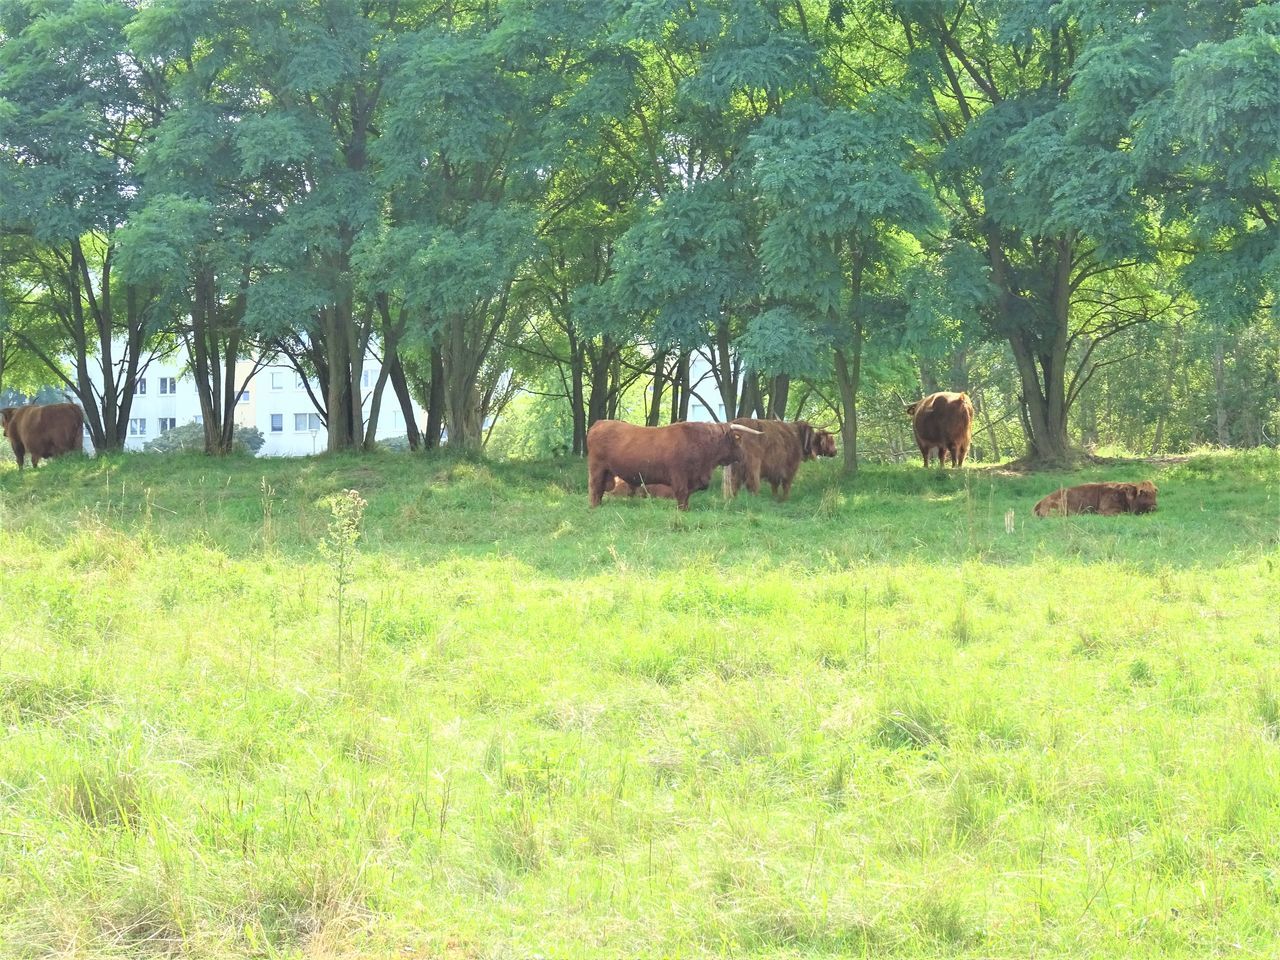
x=873 y=721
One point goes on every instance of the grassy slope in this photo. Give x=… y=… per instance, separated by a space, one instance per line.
x=866 y=722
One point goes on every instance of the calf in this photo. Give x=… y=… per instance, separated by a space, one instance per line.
x=623 y=489
x=1106 y=499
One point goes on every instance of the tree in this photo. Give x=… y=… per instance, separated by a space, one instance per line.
x=1035 y=171
x=69 y=142
x=471 y=131
x=837 y=198
x=311 y=79
x=194 y=232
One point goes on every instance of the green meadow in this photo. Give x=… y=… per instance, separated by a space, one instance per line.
x=462 y=716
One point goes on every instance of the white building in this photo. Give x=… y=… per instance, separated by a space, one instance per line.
x=275 y=401
x=703 y=382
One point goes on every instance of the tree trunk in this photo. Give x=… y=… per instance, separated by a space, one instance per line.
x=992 y=439
x=749 y=401
x=400 y=385
x=848 y=375
x=1220 y=392
x=778 y=396
x=680 y=389
x=1039 y=349
x=928 y=378
x=337 y=377
x=655 y=396
x=722 y=370
x=600 y=361
x=435 y=401
x=577 y=395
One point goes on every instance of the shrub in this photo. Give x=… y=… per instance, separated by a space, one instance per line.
x=190 y=437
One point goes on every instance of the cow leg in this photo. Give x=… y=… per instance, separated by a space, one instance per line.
x=753 y=478
x=964 y=452
x=942 y=457
x=597 y=483
x=925 y=453
x=19 y=451
x=680 y=491
x=786 y=490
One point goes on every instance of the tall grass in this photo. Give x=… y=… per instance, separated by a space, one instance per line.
x=468 y=717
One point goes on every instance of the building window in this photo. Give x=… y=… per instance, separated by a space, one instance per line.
x=168 y=385
x=302 y=422
x=198 y=420
x=142 y=385
x=138 y=427
x=364 y=378
x=167 y=423
x=277 y=380
x=244 y=397
x=298 y=382
x=277 y=423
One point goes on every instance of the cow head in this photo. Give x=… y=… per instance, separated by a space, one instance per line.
x=1140 y=497
x=730 y=450
x=911 y=408
x=807 y=434
x=6 y=418
x=824 y=443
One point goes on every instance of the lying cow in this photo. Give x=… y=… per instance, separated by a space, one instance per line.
x=680 y=456
x=623 y=489
x=1106 y=499
x=943 y=422
x=42 y=432
x=776 y=455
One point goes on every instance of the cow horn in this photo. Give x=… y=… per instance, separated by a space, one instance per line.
x=745 y=429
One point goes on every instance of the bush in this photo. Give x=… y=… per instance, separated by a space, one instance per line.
x=190 y=438
x=399 y=444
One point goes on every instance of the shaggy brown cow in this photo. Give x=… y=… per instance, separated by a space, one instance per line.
x=623 y=489
x=680 y=455
x=943 y=422
x=1106 y=499
x=43 y=431
x=776 y=455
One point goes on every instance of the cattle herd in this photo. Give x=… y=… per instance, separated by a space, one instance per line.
x=624 y=460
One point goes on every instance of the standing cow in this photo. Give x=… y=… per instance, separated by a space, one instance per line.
x=776 y=455
x=680 y=456
x=43 y=431
x=943 y=422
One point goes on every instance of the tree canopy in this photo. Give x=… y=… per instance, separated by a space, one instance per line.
x=1069 y=209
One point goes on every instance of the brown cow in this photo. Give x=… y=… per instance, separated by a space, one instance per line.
x=1106 y=499
x=623 y=489
x=43 y=431
x=680 y=455
x=943 y=422
x=776 y=455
